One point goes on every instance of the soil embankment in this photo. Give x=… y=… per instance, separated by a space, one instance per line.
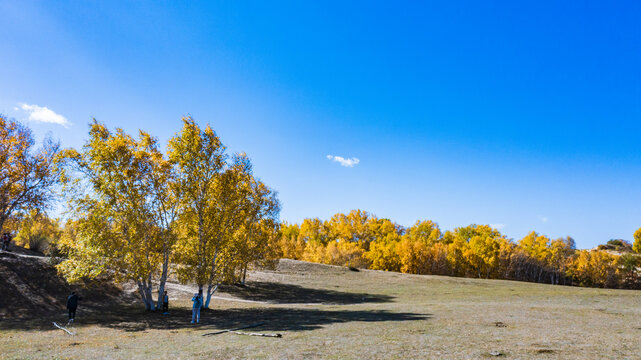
x=31 y=287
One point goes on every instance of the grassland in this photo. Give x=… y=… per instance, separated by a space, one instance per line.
x=334 y=313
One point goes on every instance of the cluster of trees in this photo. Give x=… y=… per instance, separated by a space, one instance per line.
x=360 y=239
x=137 y=213
x=36 y=231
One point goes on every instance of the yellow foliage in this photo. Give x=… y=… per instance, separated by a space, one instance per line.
x=594 y=268
x=28 y=175
x=384 y=254
x=637 y=241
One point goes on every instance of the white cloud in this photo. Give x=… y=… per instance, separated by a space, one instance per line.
x=543 y=218
x=351 y=162
x=44 y=114
x=497 y=226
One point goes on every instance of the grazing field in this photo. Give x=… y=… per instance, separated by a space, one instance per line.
x=331 y=312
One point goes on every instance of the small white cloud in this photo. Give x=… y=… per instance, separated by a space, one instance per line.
x=44 y=114
x=351 y=162
x=497 y=226
x=15 y=108
x=543 y=218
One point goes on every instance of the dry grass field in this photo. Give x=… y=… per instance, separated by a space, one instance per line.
x=333 y=313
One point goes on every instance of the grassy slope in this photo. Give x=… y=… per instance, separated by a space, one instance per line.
x=331 y=312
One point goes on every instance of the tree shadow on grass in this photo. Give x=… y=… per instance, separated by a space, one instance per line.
x=278 y=293
x=299 y=319
x=133 y=319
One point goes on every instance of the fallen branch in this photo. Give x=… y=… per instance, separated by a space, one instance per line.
x=63 y=328
x=236 y=329
x=256 y=334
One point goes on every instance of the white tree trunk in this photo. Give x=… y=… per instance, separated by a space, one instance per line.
x=210 y=291
x=163 y=279
x=210 y=282
x=144 y=289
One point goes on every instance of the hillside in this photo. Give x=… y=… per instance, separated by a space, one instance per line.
x=31 y=287
x=327 y=311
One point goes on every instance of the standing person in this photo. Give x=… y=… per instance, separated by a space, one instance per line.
x=198 y=303
x=165 y=303
x=72 y=305
x=5 y=241
x=9 y=238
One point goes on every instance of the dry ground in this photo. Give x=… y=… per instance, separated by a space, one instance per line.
x=332 y=312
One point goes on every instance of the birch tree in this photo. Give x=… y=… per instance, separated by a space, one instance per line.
x=124 y=218
x=200 y=158
x=27 y=175
x=258 y=224
x=164 y=192
x=231 y=199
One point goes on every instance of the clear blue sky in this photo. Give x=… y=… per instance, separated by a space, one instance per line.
x=525 y=115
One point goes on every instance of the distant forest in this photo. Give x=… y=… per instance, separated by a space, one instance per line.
x=360 y=239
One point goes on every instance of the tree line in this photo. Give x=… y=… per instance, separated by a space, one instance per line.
x=362 y=240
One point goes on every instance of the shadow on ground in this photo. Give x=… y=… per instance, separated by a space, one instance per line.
x=132 y=319
x=278 y=293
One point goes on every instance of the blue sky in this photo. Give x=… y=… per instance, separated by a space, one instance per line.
x=525 y=115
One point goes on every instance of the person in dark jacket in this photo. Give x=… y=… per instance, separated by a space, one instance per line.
x=5 y=242
x=72 y=305
x=165 y=303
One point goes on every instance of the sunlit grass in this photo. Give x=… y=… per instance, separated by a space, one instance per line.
x=366 y=314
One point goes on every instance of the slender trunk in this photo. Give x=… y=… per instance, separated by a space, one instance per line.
x=163 y=278
x=244 y=274
x=145 y=294
x=212 y=275
x=150 y=297
x=141 y=291
x=210 y=291
x=202 y=248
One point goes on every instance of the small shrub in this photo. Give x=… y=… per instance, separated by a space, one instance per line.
x=619 y=245
x=56 y=253
x=615 y=242
x=38 y=243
